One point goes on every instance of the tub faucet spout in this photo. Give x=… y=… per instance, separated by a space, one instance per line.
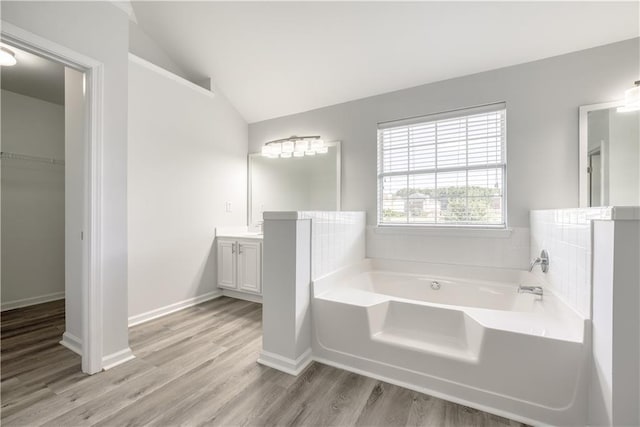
x=535 y=290
x=543 y=260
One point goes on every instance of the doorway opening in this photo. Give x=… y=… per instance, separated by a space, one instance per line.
x=35 y=306
x=74 y=189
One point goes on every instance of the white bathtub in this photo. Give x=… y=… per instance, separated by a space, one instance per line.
x=451 y=291
x=474 y=340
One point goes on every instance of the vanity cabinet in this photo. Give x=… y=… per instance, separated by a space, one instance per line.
x=240 y=265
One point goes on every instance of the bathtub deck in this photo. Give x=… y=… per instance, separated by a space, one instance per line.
x=196 y=366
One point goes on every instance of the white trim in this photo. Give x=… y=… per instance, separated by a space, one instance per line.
x=25 y=302
x=168 y=74
x=284 y=364
x=427 y=391
x=72 y=342
x=583 y=159
x=118 y=358
x=242 y=295
x=171 y=308
x=92 y=334
x=92 y=290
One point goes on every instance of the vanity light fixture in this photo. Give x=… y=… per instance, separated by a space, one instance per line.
x=631 y=99
x=294 y=146
x=7 y=57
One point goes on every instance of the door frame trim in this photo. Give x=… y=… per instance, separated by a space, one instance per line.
x=92 y=279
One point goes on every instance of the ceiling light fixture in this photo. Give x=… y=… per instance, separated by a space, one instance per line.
x=294 y=146
x=631 y=99
x=7 y=57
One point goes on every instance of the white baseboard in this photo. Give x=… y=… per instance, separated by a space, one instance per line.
x=119 y=357
x=242 y=295
x=25 y=302
x=284 y=364
x=163 y=311
x=72 y=342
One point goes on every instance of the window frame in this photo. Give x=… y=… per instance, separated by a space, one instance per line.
x=451 y=114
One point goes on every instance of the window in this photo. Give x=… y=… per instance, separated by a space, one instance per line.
x=444 y=170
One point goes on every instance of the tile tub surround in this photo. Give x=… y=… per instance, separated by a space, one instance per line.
x=508 y=249
x=567 y=235
x=337 y=240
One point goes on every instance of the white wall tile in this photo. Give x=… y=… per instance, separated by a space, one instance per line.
x=337 y=240
x=508 y=251
x=566 y=235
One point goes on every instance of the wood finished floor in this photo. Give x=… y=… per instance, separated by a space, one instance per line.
x=195 y=367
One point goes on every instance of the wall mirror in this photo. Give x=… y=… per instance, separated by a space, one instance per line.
x=609 y=156
x=293 y=184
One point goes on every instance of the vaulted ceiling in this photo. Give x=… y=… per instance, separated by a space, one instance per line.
x=277 y=58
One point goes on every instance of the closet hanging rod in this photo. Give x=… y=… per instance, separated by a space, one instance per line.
x=25 y=157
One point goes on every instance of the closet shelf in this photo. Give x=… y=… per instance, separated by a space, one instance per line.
x=15 y=156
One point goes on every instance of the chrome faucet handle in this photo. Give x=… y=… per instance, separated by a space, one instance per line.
x=534 y=262
x=543 y=260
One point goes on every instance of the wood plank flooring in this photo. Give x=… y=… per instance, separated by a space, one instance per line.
x=195 y=367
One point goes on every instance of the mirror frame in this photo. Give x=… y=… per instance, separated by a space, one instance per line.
x=583 y=155
x=336 y=144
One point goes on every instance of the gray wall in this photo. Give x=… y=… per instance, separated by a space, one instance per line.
x=624 y=158
x=32 y=201
x=542 y=123
x=186 y=158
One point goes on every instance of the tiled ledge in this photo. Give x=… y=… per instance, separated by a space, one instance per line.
x=293 y=215
x=586 y=215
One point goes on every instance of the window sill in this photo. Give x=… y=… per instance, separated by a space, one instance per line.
x=415 y=230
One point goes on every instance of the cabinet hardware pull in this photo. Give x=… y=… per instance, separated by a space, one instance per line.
x=233 y=248
x=239 y=248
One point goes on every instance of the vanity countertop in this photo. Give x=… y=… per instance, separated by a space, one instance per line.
x=241 y=235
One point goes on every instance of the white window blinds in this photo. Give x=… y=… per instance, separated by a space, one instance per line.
x=446 y=169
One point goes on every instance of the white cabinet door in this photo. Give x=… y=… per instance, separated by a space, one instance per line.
x=227 y=264
x=249 y=267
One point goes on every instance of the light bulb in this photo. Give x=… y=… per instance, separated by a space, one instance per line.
x=285 y=155
x=301 y=146
x=276 y=148
x=7 y=57
x=287 y=147
x=631 y=99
